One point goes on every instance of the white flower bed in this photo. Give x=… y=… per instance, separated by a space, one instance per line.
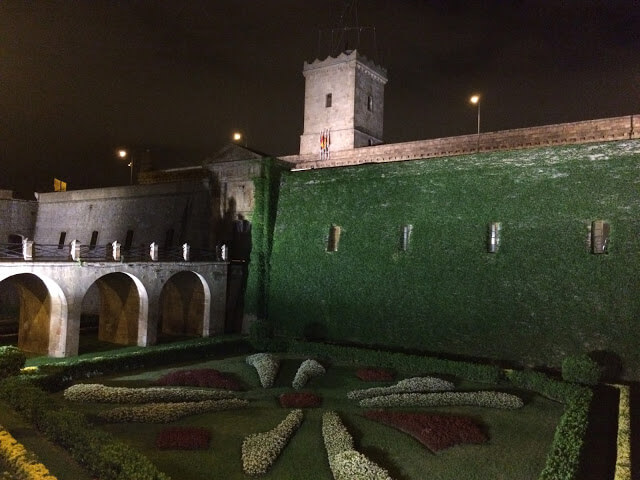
x=345 y=462
x=307 y=370
x=266 y=365
x=408 y=385
x=476 y=399
x=260 y=450
x=168 y=412
x=95 y=392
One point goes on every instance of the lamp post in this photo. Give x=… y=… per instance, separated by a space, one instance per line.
x=475 y=99
x=122 y=153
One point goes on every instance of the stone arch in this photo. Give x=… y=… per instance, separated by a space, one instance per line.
x=124 y=307
x=185 y=303
x=42 y=322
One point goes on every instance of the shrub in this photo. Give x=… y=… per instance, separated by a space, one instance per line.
x=266 y=365
x=167 y=412
x=95 y=392
x=374 y=374
x=23 y=462
x=623 y=442
x=299 y=400
x=200 y=377
x=307 y=370
x=260 y=450
x=98 y=451
x=442 y=399
x=345 y=462
x=11 y=361
x=580 y=369
x=183 y=438
x=408 y=385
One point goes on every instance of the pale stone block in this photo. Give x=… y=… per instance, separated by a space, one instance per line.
x=153 y=251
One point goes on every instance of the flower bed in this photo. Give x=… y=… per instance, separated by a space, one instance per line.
x=408 y=385
x=436 y=432
x=307 y=370
x=299 y=400
x=168 y=412
x=266 y=365
x=200 y=377
x=345 y=462
x=23 y=462
x=95 y=392
x=442 y=399
x=374 y=374
x=183 y=438
x=260 y=450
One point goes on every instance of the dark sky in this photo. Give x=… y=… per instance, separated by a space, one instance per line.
x=80 y=78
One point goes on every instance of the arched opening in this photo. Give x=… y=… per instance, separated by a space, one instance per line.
x=184 y=306
x=33 y=307
x=112 y=306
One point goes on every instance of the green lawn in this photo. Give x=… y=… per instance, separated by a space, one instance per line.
x=517 y=447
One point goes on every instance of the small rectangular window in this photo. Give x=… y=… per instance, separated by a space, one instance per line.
x=493 y=240
x=370 y=103
x=334 y=238
x=406 y=237
x=600 y=231
x=128 y=241
x=94 y=240
x=63 y=236
x=327 y=100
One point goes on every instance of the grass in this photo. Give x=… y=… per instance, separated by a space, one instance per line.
x=519 y=440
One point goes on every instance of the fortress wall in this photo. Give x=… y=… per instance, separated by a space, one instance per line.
x=149 y=210
x=17 y=217
x=600 y=130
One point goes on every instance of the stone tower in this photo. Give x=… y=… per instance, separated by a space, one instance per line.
x=344 y=96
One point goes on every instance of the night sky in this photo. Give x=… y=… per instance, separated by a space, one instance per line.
x=79 y=79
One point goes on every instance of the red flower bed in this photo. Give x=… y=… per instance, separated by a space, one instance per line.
x=374 y=374
x=436 y=432
x=299 y=400
x=202 y=377
x=183 y=438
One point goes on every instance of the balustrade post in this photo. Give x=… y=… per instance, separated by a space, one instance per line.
x=115 y=251
x=153 y=251
x=186 y=249
x=27 y=249
x=75 y=250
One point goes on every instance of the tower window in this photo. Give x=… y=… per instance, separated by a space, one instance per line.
x=370 y=103
x=63 y=235
x=493 y=240
x=334 y=238
x=128 y=241
x=327 y=100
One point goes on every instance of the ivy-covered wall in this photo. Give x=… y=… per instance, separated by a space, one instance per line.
x=542 y=296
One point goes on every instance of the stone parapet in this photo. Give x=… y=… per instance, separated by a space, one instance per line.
x=600 y=130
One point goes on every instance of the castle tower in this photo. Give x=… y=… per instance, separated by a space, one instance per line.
x=343 y=100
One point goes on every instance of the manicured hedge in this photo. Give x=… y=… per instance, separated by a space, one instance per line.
x=445 y=399
x=54 y=375
x=11 y=361
x=23 y=462
x=399 y=361
x=200 y=377
x=168 y=412
x=267 y=365
x=97 y=451
x=308 y=369
x=95 y=392
x=407 y=385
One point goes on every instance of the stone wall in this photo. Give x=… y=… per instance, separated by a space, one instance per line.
x=149 y=211
x=17 y=217
x=601 y=130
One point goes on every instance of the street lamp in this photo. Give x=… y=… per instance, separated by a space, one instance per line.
x=238 y=137
x=475 y=99
x=122 y=153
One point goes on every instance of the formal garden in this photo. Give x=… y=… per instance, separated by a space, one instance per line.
x=226 y=408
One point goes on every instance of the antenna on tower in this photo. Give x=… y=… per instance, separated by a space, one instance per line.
x=348 y=34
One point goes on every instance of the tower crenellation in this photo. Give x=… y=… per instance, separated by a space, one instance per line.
x=344 y=104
